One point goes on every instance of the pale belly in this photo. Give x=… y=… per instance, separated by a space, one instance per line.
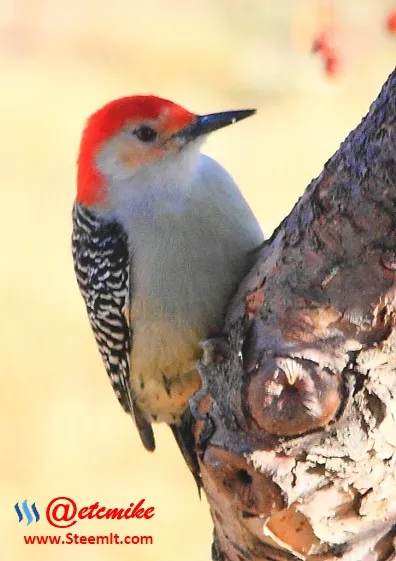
x=163 y=368
x=186 y=265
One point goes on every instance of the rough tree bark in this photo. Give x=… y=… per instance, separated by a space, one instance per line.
x=296 y=437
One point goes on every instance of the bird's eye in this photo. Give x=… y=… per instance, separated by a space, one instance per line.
x=145 y=133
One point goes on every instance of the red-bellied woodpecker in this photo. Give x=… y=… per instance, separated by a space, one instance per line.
x=161 y=237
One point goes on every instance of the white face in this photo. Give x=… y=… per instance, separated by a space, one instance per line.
x=142 y=161
x=139 y=145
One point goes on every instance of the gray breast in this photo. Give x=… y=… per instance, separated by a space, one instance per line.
x=188 y=264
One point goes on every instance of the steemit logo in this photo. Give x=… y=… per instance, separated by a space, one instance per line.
x=28 y=512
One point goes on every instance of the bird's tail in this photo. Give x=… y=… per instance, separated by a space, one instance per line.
x=144 y=428
x=185 y=440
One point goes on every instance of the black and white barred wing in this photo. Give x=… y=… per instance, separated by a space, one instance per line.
x=101 y=264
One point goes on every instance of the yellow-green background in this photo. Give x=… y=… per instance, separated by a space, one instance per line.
x=62 y=431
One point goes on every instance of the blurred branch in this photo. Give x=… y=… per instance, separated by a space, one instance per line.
x=297 y=440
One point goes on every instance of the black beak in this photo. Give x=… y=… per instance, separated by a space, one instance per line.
x=204 y=124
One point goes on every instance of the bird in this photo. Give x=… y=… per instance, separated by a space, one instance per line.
x=161 y=238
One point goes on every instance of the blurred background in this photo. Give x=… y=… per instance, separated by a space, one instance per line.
x=62 y=430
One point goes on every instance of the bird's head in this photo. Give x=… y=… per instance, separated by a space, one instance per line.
x=129 y=136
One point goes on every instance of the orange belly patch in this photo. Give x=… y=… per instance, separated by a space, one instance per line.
x=163 y=369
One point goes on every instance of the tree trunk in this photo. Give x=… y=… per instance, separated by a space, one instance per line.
x=296 y=432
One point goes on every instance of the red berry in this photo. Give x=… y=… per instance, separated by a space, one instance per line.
x=391 y=22
x=332 y=64
x=320 y=44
